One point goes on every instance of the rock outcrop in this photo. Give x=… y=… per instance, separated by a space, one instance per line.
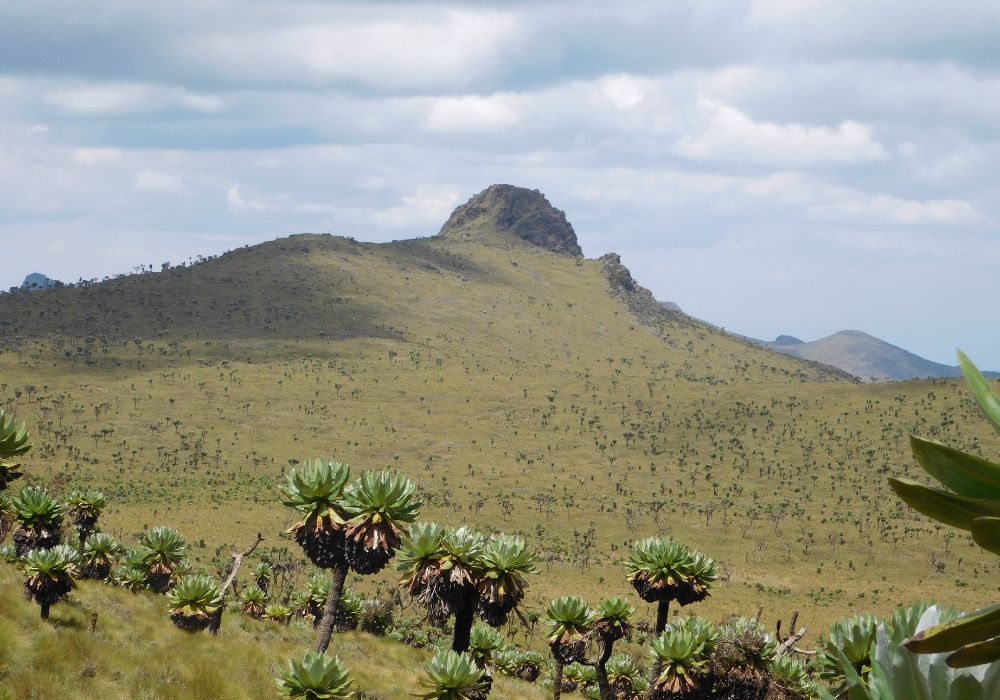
x=517 y=210
x=638 y=299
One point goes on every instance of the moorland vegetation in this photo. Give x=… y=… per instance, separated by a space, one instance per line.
x=529 y=401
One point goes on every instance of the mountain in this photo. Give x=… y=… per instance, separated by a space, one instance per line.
x=502 y=210
x=864 y=356
x=36 y=280
x=522 y=387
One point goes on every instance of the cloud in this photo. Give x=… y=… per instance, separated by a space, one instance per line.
x=236 y=202
x=128 y=98
x=96 y=156
x=895 y=210
x=428 y=207
x=470 y=113
x=151 y=181
x=727 y=134
x=425 y=50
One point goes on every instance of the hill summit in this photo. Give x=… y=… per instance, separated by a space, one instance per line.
x=524 y=213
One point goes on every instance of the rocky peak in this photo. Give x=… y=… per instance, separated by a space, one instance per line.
x=508 y=209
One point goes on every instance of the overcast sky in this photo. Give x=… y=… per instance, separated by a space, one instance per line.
x=773 y=166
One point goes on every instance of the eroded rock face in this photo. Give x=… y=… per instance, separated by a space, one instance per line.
x=639 y=300
x=525 y=213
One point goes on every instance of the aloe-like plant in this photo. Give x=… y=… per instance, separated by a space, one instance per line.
x=261 y=573
x=99 y=554
x=505 y=562
x=193 y=602
x=896 y=673
x=315 y=491
x=315 y=677
x=453 y=676
x=8 y=554
x=51 y=575
x=679 y=660
x=853 y=639
x=128 y=577
x=790 y=675
x=460 y=572
x=276 y=612
x=568 y=619
x=624 y=676
x=13 y=444
x=350 y=609
x=379 y=505
x=6 y=515
x=441 y=568
x=253 y=601
x=40 y=517
x=484 y=642
x=663 y=569
x=161 y=553
x=85 y=507
x=972 y=504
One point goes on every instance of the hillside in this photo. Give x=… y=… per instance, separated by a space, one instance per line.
x=63 y=659
x=864 y=356
x=524 y=389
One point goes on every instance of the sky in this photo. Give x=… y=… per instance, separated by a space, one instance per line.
x=772 y=166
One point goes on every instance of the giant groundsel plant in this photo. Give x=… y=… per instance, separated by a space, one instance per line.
x=972 y=503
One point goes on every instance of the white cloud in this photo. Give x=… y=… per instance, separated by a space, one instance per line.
x=96 y=156
x=894 y=210
x=727 y=134
x=236 y=202
x=623 y=90
x=437 y=50
x=128 y=98
x=428 y=207
x=156 y=182
x=469 y=113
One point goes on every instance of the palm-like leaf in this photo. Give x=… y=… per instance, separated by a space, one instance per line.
x=276 y=612
x=129 y=577
x=505 y=562
x=315 y=491
x=680 y=659
x=160 y=553
x=316 y=677
x=623 y=673
x=612 y=619
x=788 y=672
x=86 y=507
x=99 y=552
x=379 y=505
x=193 y=601
x=568 y=619
x=253 y=601
x=664 y=569
x=484 y=642
x=453 y=676
x=974 y=506
x=13 y=444
x=40 y=518
x=51 y=575
x=440 y=567
x=851 y=639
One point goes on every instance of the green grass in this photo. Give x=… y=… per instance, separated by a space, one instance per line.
x=136 y=653
x=519 y=395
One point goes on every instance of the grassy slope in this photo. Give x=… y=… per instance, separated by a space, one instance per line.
x=137 y=654
x=504 y=380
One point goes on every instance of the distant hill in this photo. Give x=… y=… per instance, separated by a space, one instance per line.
x=36 y=280
x=864 y=356
x=855 y=352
